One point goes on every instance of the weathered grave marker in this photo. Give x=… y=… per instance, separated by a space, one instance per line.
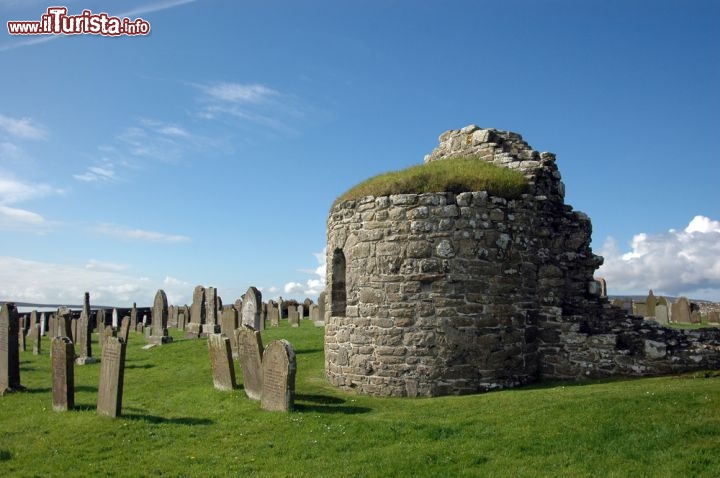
x=211 y=325
x=133 y=317
x=273 y=314
x=63 y=374
x=159 y=332
x=84 y=342
x=661 y=314
x=250 y=352
x=197 y=314
x=251 y=309
x=22 y=344
x=279 y=367
x=125 y=329
x=228 y=324
x=650 y=304
x=681 y=311
x=221 y=362
x=36 y=338
x=293 y=316
x=321 y=305
x=9 y=351
x=112 y=374
x=713 y=317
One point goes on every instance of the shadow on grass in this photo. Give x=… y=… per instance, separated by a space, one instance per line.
x=5 y=455
x=143 y=366
x=174 y=421
x=326 y=404
x=308 y=351
x=546 y=384
x=38 y=390
x=85 y=388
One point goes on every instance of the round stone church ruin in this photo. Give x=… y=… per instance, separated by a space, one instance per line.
x=464 y=292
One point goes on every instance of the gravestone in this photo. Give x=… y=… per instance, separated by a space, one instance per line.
x=43 y=323
x=314 y=313
x=221 y=362
x=63 y=374
x=182 y=322
x=173 y=316
x=107 y=333
x=263 y=312
x=84 y=343
x=100 y=319
x=321 y=306
x=115 y=322
x=639 y=308
x=251 y=309
x=250 y=353
x=36 y=338
x=74 y=329
x=33 y=323
x=9 y=351
x=238 y=305
x=281 y=307
x=112 y=374
x=713 y=317
x=661 y=314
x=159 y=332
x=301 y=311
x=133 y=316
x=197 y=314
x=273 y=314
x=650 y=303
x=279 y=367
x=306 y=304
x=228 y=324
x=681 y=311
x=63 y=322
x=293 y=316
x=125 y=329
x=211 y=325
x=22 y=345
x=695 y=317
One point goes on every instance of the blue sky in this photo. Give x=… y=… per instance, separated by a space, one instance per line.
x=209 y=151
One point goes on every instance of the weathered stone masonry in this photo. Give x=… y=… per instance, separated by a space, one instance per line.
x=442 y=293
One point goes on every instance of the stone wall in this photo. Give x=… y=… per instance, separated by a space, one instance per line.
x=433 y=294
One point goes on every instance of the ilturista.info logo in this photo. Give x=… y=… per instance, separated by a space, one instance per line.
x=57 y=22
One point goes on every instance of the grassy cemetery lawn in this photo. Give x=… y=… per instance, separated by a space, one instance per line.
x=175 y=424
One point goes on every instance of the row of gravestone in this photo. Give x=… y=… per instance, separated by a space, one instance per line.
x=268 y=374
x=665 y=311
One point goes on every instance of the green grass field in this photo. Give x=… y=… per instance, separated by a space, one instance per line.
x=175 y=424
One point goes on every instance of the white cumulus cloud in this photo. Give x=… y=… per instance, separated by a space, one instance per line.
x=677 y=262
x=312 y=287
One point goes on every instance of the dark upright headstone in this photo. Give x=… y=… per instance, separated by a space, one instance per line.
x=250 y=352
x=197 y=314
x=159 y=333
x=279 y=366
x=9 y=350
x=125 y=329
x=221 y=362
x=63 y=374
x=133 y=316
x=84 y=343
x=112 y=374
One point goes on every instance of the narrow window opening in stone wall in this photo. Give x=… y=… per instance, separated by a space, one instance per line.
x=339 y=292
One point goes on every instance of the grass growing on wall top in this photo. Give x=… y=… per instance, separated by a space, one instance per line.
x=454 y=175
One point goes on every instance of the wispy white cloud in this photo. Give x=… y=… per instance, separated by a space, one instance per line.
x=12 y=192
x=119 y=232
x=239 y=93
x=678 y=262
x=23 y=128
x=249 y=103
x=97 y=174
